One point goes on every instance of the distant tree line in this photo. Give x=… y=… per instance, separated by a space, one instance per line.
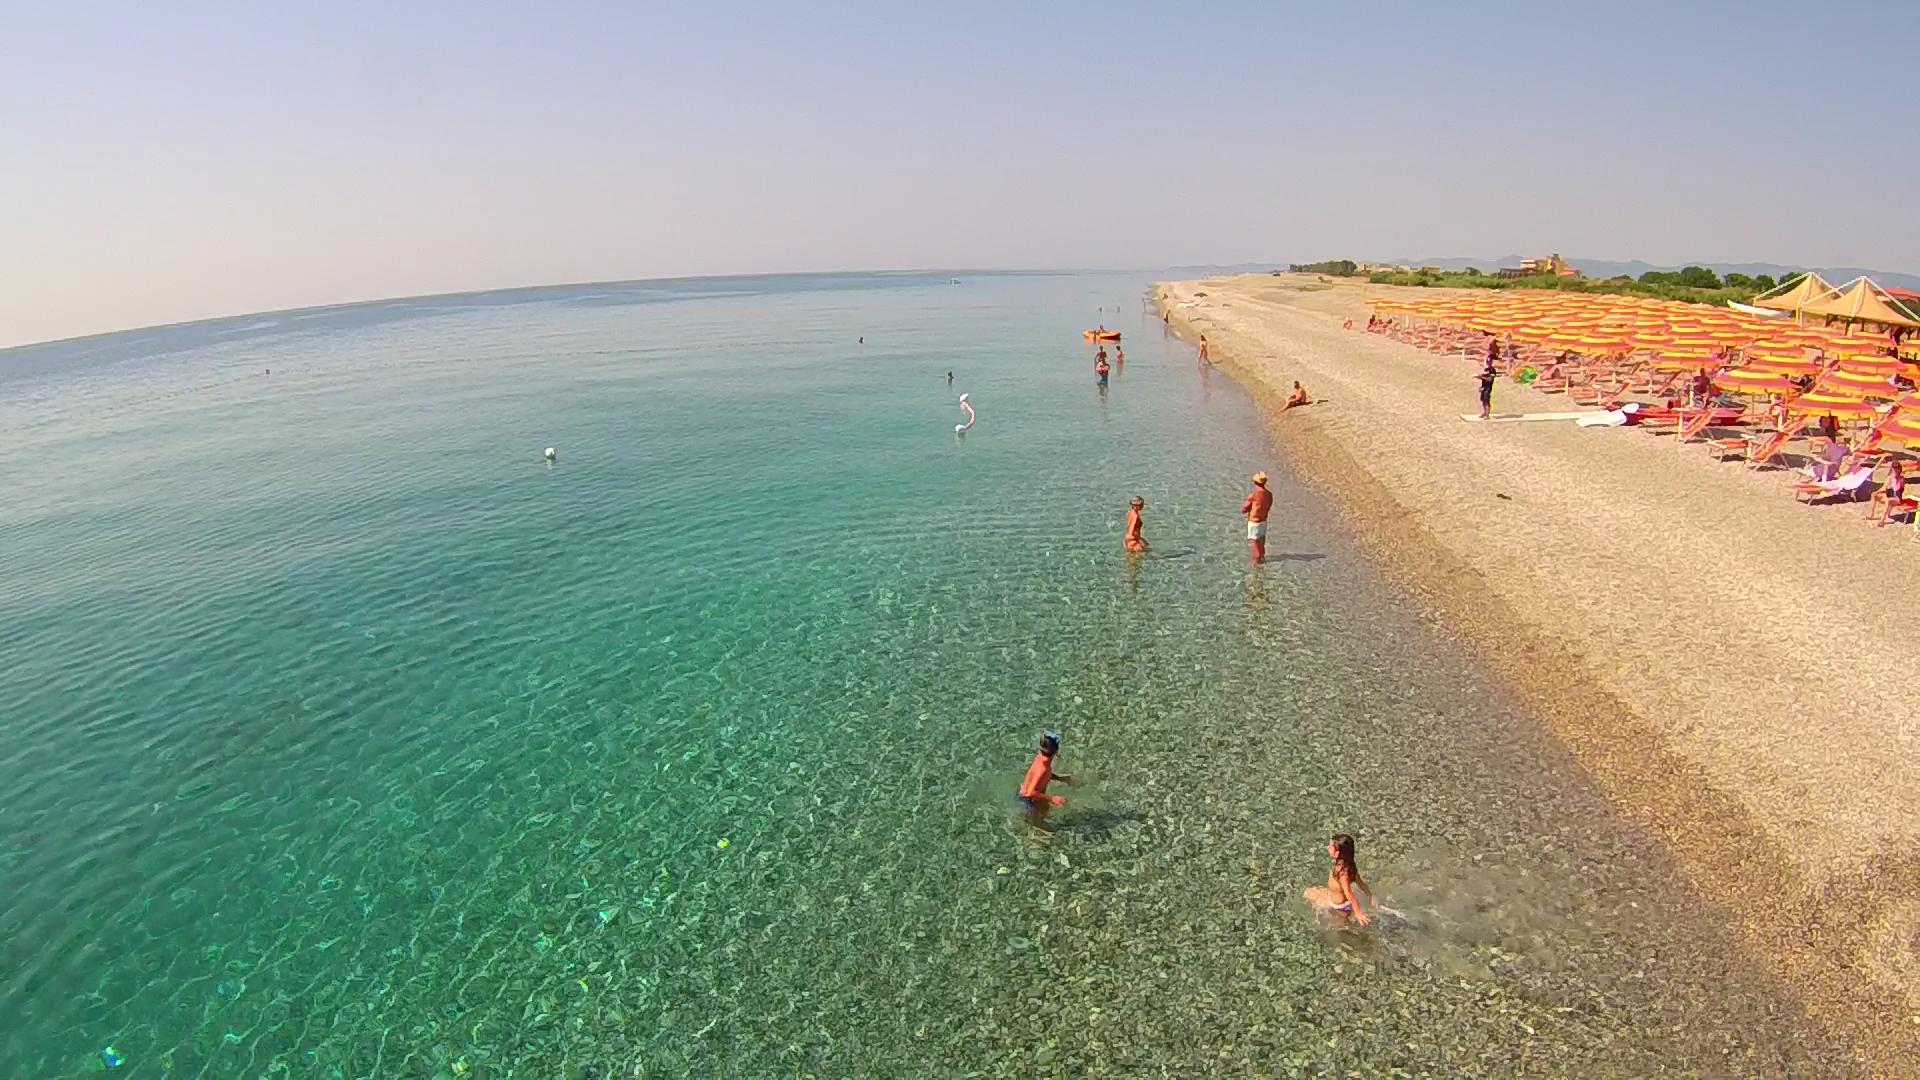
x=1693 y=284
x=1699 y=277
x=1333 y=267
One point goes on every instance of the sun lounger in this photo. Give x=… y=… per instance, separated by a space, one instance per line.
x=1757 y=450
x=1696 y=425
x=1767 y=451
x=1850 y=485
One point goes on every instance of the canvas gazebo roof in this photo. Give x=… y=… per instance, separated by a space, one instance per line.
x=1860 y=300
x=1794 y=293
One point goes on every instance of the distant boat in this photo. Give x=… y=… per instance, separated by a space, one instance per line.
x=1764 y=313
x=953 y=281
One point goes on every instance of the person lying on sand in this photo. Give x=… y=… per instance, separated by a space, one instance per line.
x=1341 y=896
x=1033 y=789
x=1297 y=398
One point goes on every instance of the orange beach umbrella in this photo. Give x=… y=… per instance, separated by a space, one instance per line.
x=1831 y=404
x=1749 y=381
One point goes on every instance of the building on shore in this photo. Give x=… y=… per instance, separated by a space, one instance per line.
x=1550 y=265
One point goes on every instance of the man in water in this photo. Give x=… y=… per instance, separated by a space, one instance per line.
x=1033 y=789
x=949 y=378
x=1101 y=368
x=1256 y=509
x=1135 y=542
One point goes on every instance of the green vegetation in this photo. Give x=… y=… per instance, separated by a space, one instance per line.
x=1335 y=267
x=1693 y=284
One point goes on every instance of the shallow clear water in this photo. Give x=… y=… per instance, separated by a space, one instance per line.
x=343 y=736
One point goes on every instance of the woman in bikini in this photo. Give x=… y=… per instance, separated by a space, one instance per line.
x=1344 y=888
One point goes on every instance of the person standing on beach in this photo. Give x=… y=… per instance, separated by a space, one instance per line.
x=1135 y=542
x=1256 y=508
x=1205 y=356
x=1485 y=378
x=1033 y=789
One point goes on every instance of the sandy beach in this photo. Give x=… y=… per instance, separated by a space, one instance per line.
x=1735 y=668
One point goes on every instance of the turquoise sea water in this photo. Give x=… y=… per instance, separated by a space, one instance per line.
x=340 y=735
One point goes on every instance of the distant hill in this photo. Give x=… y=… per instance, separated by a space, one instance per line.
x=1601 y=268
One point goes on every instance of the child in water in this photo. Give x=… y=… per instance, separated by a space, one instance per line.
x=1135 y=541
x=1033 y=789
x=1341 y=897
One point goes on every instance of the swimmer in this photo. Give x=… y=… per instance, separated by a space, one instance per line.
x=863 y=340
x=1101 y=368
x=1344 y=887
x=1297 y=398
x=1135 y=542
x=949 y=378
x=1033 y=789
x=1119 y=356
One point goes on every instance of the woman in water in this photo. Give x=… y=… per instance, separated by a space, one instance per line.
x=1341 y=896
x=1135 y=541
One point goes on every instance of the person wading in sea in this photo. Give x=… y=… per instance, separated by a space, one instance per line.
x=1135 y=541
x=1033 y=789
x=1341 y=897
x=1256 y=509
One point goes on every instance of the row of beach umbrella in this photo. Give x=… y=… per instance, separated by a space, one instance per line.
x=1852 y=373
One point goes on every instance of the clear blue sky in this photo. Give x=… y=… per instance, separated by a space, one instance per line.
x=161 y=162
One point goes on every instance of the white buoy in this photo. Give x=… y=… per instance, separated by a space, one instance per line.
x=549 y=453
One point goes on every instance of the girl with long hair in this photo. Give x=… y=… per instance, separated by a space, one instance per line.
x=1344 y=888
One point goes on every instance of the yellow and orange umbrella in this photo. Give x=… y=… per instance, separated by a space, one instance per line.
x=1756 y=383
x=1854 y=384
x=1882 y=366
x=1831 y=404
x=1904 y=422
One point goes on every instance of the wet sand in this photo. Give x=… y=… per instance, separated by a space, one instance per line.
x=1735 y=669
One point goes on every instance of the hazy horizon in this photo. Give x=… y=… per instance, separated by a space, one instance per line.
x=170 y=166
